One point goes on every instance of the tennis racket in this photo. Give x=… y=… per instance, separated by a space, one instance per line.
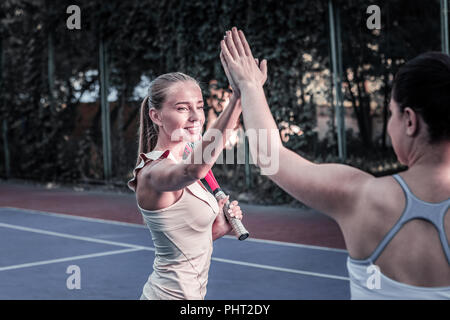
x=238 y=228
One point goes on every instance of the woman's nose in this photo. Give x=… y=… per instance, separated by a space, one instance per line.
x=195 y=115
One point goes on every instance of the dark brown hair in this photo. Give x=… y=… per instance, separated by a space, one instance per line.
x=423 y=84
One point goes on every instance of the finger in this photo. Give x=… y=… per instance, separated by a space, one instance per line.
x=223 y=201
x=263 y=67
x=235 y=211
x=247 y=50
x=230 y=44
x=237 y=41
x=226 y=53
x=257 y=62
x=225 y=66
x=224 y=62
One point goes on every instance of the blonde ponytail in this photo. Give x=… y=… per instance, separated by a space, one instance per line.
x=148 y=134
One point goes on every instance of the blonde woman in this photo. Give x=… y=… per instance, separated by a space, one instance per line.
x=183 y=217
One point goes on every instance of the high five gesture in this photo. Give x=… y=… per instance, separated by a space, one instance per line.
x=238 y=61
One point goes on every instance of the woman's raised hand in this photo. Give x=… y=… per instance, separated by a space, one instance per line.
x=233 y=85
x=238 y=62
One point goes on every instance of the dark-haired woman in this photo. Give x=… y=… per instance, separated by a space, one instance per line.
x=183 y=217
x=396 y=228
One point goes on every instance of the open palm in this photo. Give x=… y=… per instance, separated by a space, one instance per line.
x=237 y=60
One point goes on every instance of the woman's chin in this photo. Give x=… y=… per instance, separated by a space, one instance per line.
x=191 y=137
x=195 y=137
x=185 y=135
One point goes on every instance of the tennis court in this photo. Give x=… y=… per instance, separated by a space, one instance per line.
x=78 y=81
x=115 y=259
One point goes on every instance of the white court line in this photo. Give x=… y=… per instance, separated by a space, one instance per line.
x=73 y=217
x=296 y=245
x=70 y=236
x=127 y=224
x=85 y=256
x=263 y=266
x=135 y=247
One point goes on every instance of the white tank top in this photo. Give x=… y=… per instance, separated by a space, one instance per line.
x=366 y=280
x=182 y=236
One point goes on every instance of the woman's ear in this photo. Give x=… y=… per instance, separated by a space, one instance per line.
x=411 y=120
x=155 y=116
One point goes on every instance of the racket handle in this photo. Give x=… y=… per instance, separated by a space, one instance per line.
x=238 y=228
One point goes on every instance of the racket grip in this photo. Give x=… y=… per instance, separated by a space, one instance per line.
x=238 y=228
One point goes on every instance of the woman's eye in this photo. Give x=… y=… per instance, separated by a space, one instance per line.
x=182 y=109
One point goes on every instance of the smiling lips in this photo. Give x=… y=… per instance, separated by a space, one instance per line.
x=194 y=129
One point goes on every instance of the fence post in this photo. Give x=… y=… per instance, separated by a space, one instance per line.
x=51 y=69
x=5 y=121
x=336 y=58
x=444 y=26
x=6 y=148
x=106 y=132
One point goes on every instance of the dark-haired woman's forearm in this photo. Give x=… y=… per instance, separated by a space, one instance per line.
x=200 y=162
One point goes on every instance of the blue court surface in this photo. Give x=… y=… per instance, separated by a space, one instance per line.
x=115 y=260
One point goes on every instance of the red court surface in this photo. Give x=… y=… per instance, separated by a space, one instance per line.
x=276 y=223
